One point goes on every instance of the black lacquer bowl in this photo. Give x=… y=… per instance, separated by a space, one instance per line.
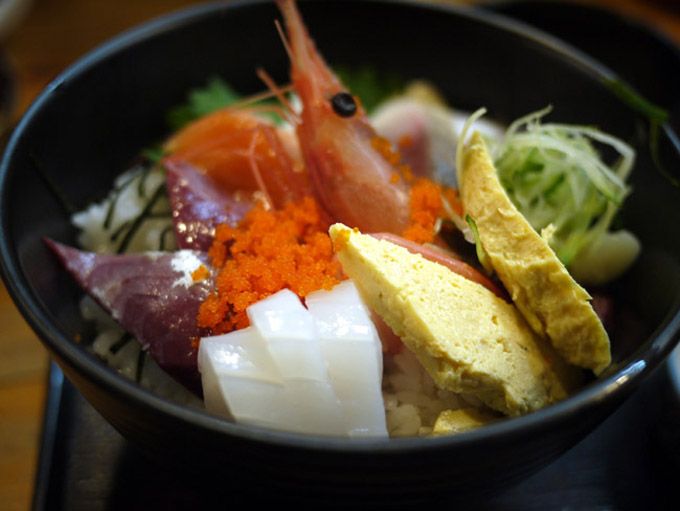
x=93 y=119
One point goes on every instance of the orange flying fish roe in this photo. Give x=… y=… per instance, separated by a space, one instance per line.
x=452 y=197
x=393 y=157
x=341 y=241
x=200 y=273
x=384 y=147
x=426 y=207
x=425 y=200
x=405 y=142
x=269 y=251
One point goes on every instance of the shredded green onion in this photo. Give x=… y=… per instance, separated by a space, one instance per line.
x=556 y=177
x=636 y=101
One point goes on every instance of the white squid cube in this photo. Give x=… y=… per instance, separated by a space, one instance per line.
x=351 y=348
x=313 y=407
x=240 y=379
x=290 y=333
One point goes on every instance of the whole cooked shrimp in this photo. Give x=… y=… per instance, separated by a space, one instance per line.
x=353 y=178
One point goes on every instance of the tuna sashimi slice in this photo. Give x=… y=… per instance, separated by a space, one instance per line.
x=154 y=296
x=199 y=205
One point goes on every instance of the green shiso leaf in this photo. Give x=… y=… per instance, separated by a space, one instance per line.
x=154 y=154
x=202 y=101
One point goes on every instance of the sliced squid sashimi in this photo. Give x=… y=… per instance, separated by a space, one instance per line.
x=199 y=204
x=241 y=380
x=155 y=296
x=316 y=371
x=352 y=350
x=271 y=373
x=290 y=333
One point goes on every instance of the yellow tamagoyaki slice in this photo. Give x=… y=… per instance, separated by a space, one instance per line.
x=450 y=422
x=468 y=339
x=552 y=302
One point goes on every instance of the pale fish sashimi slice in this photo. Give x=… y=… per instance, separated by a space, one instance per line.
x=290 y=333
x=351 y=347
x=240 y=379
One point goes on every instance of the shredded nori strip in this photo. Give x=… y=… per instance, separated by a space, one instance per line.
x=121 y=229
x=141 y=359
x=56 y=191
x=141 y=187
x=139 y=219
x=114 y=200
x=126 y=225
x=120 y=343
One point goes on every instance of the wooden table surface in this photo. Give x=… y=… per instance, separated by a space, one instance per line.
x=52 y=35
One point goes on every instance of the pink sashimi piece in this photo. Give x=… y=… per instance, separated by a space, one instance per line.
x=199 y=205
x=149 y=296
x=391 y=342
x=409 y=133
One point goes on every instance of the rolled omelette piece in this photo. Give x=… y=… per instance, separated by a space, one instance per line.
x=552 y=302
x=468 y=339
x=450 y=422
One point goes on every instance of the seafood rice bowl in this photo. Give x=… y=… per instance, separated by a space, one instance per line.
x=225 y=225
x=340 y=263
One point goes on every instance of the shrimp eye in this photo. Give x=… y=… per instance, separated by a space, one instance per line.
x=344 y=104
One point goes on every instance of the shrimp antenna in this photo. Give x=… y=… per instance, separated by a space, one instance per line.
x=282 y=35
x=255 y=168
x=278 y=92
x=272 y=109
x=260 y=96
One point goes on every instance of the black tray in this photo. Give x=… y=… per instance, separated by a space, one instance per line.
x=629 y=462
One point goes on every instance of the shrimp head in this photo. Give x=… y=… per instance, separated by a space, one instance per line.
x=351 y=176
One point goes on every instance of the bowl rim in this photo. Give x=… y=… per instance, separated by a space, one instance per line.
x=619 y=383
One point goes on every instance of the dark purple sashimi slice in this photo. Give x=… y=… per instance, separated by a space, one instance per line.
x=153 y=296
x=199 y=205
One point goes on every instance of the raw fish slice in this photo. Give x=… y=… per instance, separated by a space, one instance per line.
x=153 y=296
x=424 y=135
x=351 y=347
x=426 y=132
x=199 y=205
